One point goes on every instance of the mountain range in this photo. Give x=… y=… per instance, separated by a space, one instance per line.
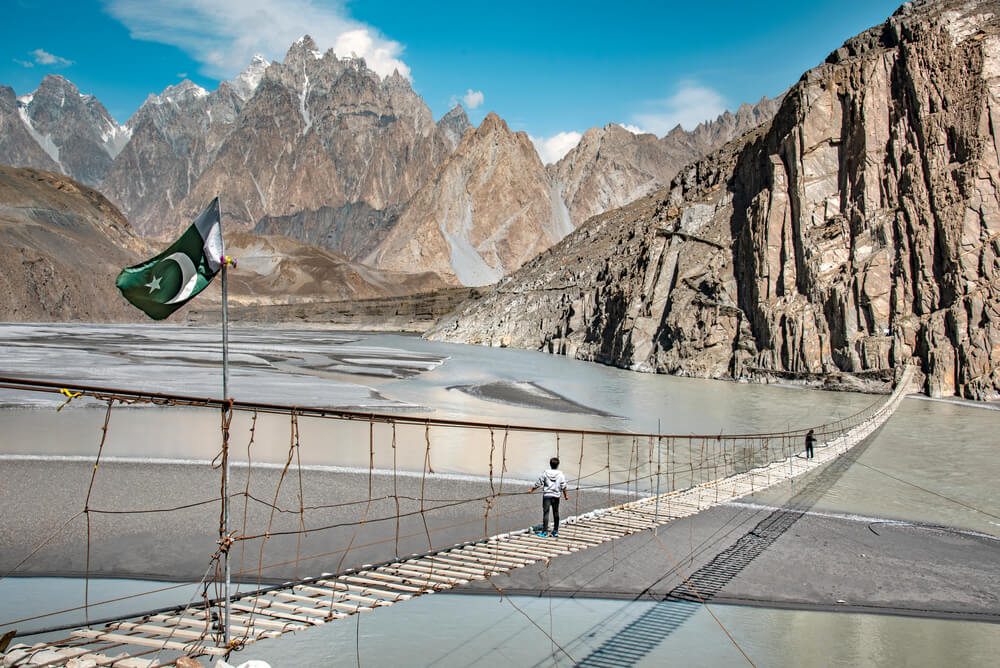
x=857 y=230
x=320 y=149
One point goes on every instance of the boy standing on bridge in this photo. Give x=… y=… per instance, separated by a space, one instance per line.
x=552 y=483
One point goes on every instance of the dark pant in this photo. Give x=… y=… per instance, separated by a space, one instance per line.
x=550 y=502
x=809 y=449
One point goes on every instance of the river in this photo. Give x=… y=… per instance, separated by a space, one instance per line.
x=933 y=463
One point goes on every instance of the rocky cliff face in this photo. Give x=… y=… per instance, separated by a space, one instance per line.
x=322 y=139
x=454 y=125
x=174 y=137
x=860 y=228
x=61 y=246
x=611 y=166
x=488 y=210
x=17 y=147
x=76 y=132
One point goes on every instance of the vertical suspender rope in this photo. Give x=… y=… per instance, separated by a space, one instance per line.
x=656 y=512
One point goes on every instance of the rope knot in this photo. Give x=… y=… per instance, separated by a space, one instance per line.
x=70 y=396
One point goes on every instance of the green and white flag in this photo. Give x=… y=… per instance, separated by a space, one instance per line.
x=162 y=284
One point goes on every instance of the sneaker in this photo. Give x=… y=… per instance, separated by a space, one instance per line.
x=541 y=534
x=555 y=534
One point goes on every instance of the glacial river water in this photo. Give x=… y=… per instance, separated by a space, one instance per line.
x=934 y=462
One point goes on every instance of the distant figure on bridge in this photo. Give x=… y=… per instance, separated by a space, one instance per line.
x=552 y=483
x=810 y=442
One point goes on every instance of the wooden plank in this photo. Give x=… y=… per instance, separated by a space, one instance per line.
x=448 y=567
x=468 y=564
x=524 y=544
x=381 y=583
x=603 y=524
x=323 y=602
x=575 y=538
x=299 y=609
x=423 y=583
x=551 y=541
x=261 y=620
x=511 y=547
x=586 y=532
x=595 y=525
x=312 y=621
x=165 y=631
x=499 y=557
x=343 y=595
x=623 y=523
x=371 y=591
x=492 y=552
x=421 y=574
x=187 y=648
x=492 y=565
x=621 y=518
x=171 y=620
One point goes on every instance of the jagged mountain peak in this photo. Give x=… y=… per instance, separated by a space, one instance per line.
x=246 y=82
x=492 y=123
x=454 y=124
x=176 y=95
x=73 y=129
x=57 y=82
x=303 y=49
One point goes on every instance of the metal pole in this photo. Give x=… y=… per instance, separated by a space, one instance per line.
x=225 y=440
x=656 y=513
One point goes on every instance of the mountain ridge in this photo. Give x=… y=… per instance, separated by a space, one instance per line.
x=857 y=230
x=320 y=149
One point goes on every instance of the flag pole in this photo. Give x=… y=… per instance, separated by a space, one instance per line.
x=226 y=417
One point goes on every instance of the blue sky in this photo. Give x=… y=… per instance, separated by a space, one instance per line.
x=552 y=69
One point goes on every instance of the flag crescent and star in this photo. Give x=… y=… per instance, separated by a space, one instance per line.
x=162 y=284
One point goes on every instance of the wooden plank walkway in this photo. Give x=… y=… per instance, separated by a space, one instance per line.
x=297 y=606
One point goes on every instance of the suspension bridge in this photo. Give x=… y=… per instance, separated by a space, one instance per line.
x=700 y=471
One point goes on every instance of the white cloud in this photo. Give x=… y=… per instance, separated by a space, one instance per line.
x=46 y=58
x=472 y=99
x=23 y=63
x=690 y=105
x=224 y=35
x=552 y=149
x=634 y=129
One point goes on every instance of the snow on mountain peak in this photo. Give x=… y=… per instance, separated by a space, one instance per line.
x=185 y=90
x=248 y=80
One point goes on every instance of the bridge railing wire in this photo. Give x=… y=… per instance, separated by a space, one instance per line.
x=398 y=500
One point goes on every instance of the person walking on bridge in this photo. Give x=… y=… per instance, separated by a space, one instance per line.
x=810 y=442
x=552 y=482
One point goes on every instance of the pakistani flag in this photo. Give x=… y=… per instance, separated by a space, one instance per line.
x=161 y=285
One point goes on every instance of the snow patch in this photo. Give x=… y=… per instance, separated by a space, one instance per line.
x=44 y=141
x=469 y=266
x=115 y=137
x=246 y=83
x=260 y=193
x=302 y=103
x=559 y=225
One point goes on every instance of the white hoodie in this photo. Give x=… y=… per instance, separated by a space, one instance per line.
x=552 y=482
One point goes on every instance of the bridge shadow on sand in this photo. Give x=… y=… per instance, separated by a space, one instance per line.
x=643 y=634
